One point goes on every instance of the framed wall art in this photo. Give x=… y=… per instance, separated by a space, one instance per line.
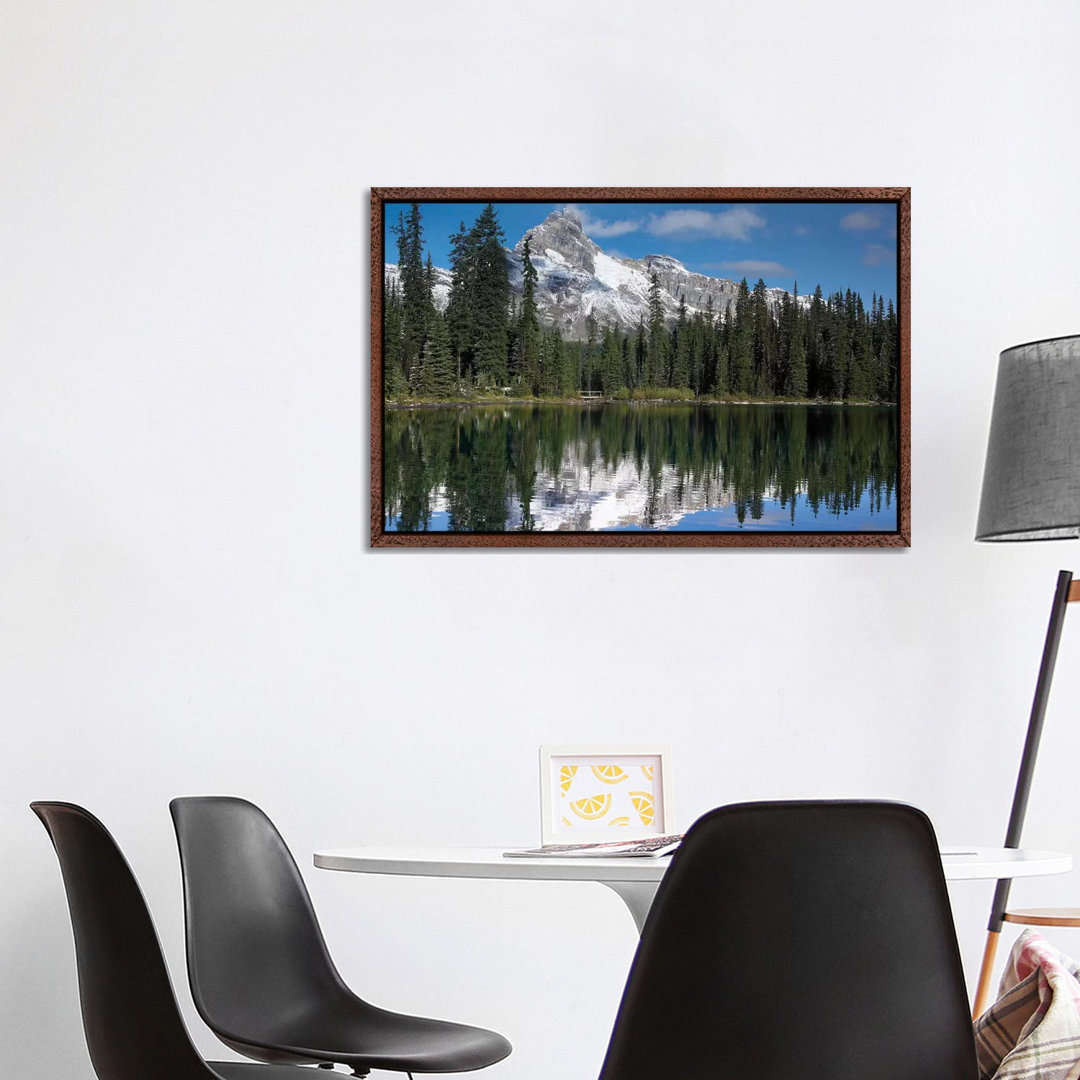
x=640 y=367
x=596 y=793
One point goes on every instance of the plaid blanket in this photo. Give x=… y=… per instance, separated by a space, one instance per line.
x=1032 y=1031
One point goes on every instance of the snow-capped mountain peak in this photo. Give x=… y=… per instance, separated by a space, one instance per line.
x=580 y=288
x=561 y=238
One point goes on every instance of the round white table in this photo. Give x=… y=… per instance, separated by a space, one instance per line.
x=636 y=879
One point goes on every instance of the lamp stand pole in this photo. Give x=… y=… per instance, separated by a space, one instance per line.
x=1065 y=592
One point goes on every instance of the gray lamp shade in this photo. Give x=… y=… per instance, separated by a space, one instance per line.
x=1031 y=484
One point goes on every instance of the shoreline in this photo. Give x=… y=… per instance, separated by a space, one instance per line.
x=496 y=403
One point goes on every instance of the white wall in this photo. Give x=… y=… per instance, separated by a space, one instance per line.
x=186 y=601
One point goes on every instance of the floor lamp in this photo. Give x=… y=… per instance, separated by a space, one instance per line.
x=1031 y=491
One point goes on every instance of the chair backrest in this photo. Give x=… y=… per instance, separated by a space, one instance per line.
x=798 y=941
x=132 y=1022
x=255 y=951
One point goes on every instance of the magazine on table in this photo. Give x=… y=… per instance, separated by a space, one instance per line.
x=649 y=847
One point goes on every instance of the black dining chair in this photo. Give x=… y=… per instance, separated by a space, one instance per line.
x=133 y=1026
x=798 y=941
x=259 y=969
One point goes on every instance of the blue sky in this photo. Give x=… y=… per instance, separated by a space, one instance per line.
x=839 y=245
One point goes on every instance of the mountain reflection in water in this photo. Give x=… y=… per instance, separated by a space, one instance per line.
x=701 y=468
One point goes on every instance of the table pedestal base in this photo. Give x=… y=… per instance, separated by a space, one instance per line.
x=637 y=896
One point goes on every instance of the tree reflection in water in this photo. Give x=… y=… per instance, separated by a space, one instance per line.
x=694 y=467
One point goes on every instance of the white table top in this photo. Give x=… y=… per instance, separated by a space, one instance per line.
x=960 y=864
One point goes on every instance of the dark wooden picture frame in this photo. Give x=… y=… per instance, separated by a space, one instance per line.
x=898 y=530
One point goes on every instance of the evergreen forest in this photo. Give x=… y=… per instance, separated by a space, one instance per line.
x=489 y=342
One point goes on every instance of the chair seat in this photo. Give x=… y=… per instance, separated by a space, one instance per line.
x=364 y=1037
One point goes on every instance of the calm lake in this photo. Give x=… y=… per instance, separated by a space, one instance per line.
x=589 y=468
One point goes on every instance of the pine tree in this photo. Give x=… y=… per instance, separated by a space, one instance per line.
x=680 y=362
x=762 y=335
x=460 y=308
x=611 y=362
x=725 y=333
x=529 y=324
x=550 y=363
x=429 y=287
x=395 y=381
x=491 y=296
x=816 y=358
x=563 y=359
x=796 y=366
x=416 y=304
x=437 y=376
x=742 y=343
x=860 y=384
x=708 y=349
x=641 y=352
x=656 y=355
x=588 y=354
x=891 y=353
x=838 y=347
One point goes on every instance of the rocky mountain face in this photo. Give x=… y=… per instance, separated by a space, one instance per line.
x=577 y=279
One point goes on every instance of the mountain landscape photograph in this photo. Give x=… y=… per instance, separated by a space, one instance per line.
x=634 y=367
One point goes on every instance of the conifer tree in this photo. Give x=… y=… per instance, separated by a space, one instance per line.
x=742 y=343
x=395 y=381
x=762 y=334
x=816 y=360
x=838 y=349
x=563 y=359
x=796 y=366
x=529 y=324
x=491 y=298
x=641 y=351
x=891 y=350
x=611 y=362
x=460 y=308
x=415 y=293
x=725 y=332
x=860 y=383
x=656 y=356
x=680 y=347
x=437 y=375
x=707 y=360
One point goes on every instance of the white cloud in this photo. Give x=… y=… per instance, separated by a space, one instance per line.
x=594 y=226
x=759 y=267
x=860 y=219
x=877 y=255
x=733 y=224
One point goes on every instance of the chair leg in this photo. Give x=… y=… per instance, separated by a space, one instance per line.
x=982 y=992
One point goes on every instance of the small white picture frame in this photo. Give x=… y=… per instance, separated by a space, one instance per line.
x=596 y=793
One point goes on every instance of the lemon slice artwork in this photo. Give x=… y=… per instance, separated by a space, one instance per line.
x=643 y=804
x=592 y=808
x=624 y=820
x=609 y=774
x=566 y=777
x=647 y=771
